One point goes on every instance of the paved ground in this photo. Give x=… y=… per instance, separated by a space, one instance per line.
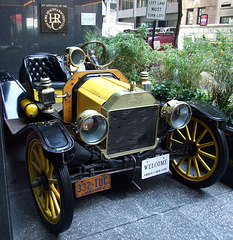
x=163 y=209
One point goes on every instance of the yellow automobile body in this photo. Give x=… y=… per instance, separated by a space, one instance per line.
x=110 y=93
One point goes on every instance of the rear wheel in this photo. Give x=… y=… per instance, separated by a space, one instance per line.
x=51 y=187
x=206 y=153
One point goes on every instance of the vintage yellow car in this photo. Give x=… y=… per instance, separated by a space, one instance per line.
x=71 y=102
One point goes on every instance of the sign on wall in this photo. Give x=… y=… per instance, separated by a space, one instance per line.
x=54 y=18
x=203 y=19
x=156 y=10
x=88 y=19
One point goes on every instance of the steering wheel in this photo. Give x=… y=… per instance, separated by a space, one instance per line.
x=103 y=52
x=97 y=43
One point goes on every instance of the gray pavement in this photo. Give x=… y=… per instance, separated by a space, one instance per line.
x=163 y=209
x=5 y=222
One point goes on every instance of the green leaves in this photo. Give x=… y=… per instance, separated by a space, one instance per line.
x=134 y=54
x=167 y=90
x=178 y=72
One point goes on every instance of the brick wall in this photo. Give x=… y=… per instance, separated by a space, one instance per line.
x=212 y=8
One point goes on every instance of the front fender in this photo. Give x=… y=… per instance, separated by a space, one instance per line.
x=204 y=109
x=57 y=143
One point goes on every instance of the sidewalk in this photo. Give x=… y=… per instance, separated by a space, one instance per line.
x=5 y=221
x=163 y=209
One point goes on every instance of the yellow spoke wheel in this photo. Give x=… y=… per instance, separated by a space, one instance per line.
x=51 y=187
x=205 y=153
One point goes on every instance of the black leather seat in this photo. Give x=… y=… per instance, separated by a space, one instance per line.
x=35 y=67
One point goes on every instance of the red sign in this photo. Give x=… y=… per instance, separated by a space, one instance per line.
x=203 y=19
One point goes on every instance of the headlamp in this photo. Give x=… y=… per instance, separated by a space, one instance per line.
x=75 y=56
x=176 y=113
x=92 y=127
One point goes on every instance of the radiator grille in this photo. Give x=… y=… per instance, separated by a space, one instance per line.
x=131 y=129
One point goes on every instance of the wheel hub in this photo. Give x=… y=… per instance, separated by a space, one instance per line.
x=44 y=180
x=192 y=148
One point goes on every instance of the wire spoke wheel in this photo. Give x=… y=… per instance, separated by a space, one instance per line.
x=51 y=187
x=206 y=151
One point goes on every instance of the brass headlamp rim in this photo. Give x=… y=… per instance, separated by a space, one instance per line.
x=83 y=117
x=168 y=109
x=70 y=51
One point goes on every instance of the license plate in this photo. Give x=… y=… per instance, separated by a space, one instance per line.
x=92 y=185
x=155 y=166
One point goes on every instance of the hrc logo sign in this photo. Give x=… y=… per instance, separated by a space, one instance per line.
x=54 y=18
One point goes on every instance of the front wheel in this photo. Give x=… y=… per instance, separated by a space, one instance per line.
x=51 y=187
x=205 y=153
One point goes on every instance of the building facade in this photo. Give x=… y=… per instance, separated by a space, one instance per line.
x=110 y=24
x=226 y=12
x=134 y=11
x=218 y=11
x=30 y=26
x=219 y=17
x=215 y=14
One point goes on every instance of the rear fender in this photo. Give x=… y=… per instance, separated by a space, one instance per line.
x=11 y=91
x=57 y=143
x=204 y=109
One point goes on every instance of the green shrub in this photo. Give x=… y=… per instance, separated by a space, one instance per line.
x=167 y=90
x=222 y=69
x=134 y=54
x=178 y=72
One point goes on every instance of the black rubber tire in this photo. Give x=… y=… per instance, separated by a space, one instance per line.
x=51 y=187
x=207 y=153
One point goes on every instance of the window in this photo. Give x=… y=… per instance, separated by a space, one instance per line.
x=224 y=20
x=113 y=5
x=162 y=24
x=141 y=3
x=200 y=12
x=125 y=4
x=189 y=17
x=226 y=5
